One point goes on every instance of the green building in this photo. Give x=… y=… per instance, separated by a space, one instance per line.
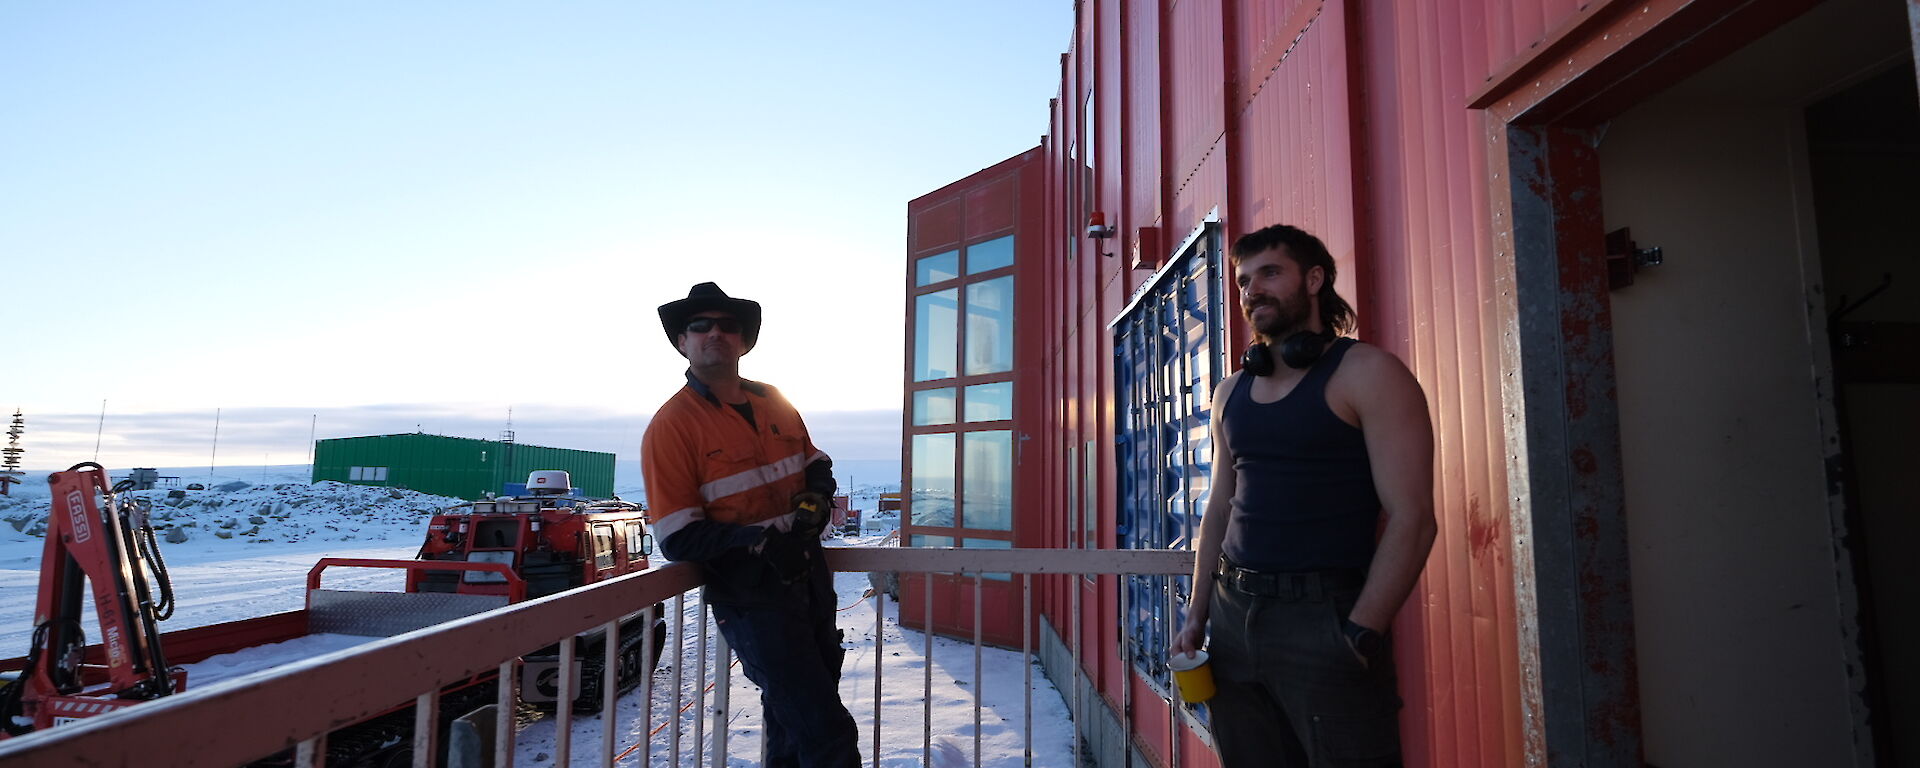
x=461 y=467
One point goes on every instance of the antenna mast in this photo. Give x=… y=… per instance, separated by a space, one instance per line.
x=10 y=467
x=213 y=455
x=101 y=430
x=503 y=471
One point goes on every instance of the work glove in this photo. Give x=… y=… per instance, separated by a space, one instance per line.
x=789 y=555
x=811 y=511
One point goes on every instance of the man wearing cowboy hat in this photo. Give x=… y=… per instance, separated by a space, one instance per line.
x=735 y=484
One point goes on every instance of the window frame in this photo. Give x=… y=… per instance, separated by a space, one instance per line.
x=603 y=560
x=959 y=383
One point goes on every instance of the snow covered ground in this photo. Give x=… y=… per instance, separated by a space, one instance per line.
x=261 y=568
x=213 y=581
x=903 y=720
x=237 y=496
x=34 y=481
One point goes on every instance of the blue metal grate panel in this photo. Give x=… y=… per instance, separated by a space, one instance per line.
x=1169 y=358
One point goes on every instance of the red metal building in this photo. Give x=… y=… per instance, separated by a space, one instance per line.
x=975 y=254
x=1669 y=478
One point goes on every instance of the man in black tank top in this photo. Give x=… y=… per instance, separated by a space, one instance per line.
x=1319 y=523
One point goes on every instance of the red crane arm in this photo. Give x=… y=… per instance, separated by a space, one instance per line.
x=88 y=541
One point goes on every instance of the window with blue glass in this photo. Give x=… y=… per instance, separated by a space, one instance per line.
x=931 y=503
x=987 y=497
x=960 y=396
x=990 y=255
x=1169 y=356
x=973 y=543
x=990 y=326
x=935 y=339
x=990 y=402
x=934 y=406
x=936 y=268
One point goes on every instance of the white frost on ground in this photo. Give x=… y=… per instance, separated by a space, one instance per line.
x=902 y=712
x=213 y=581
x=247 y=661
x=261 y=513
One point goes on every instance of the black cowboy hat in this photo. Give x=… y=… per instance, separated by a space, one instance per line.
x=707 y=297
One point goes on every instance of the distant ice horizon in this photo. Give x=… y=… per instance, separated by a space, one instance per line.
x=282 y=436
x=861 y=477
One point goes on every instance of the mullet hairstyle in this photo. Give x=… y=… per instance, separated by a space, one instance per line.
x=1308 y=252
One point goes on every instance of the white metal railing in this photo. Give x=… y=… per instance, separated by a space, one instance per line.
x=236 y=721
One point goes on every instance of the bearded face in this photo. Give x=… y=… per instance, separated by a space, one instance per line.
x=1278 y=316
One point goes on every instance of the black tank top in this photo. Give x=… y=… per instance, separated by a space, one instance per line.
x=1303 y=497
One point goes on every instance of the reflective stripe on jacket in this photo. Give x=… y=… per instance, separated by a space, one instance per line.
x=701 y=460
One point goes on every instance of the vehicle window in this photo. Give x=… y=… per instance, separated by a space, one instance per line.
x=602 y=547
x=488 y=577
x=636 y=541
x=497 y=533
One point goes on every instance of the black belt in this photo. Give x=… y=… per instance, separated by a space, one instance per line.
x=1311 y=585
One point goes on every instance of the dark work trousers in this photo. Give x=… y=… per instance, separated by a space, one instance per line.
x=788 y=646
x=1290 y=691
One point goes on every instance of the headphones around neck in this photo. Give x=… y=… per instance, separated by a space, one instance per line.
x=1300 y=350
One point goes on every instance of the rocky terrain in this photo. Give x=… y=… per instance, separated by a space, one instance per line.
x=270 y=512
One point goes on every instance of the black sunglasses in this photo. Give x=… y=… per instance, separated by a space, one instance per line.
x=704 y=324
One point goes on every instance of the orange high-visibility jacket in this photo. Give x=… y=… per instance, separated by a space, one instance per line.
x=701 y=460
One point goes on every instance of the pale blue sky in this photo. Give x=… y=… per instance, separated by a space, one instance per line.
x=447 y=208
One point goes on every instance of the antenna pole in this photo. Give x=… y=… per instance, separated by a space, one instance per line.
x=215 y=455
x=100 y=431
x=10 y=465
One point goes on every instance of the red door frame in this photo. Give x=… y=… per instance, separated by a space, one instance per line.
x=1574 y=590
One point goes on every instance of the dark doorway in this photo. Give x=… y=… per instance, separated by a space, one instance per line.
x=1863 y=145
x=1749 y=621
x=1683 y=448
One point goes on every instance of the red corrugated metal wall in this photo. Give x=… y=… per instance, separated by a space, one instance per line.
x=1197 y=110
x=1138 y=139
x=1348 y=119
x=1514 y=27
x=1295 y=158
x=1433 y=277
